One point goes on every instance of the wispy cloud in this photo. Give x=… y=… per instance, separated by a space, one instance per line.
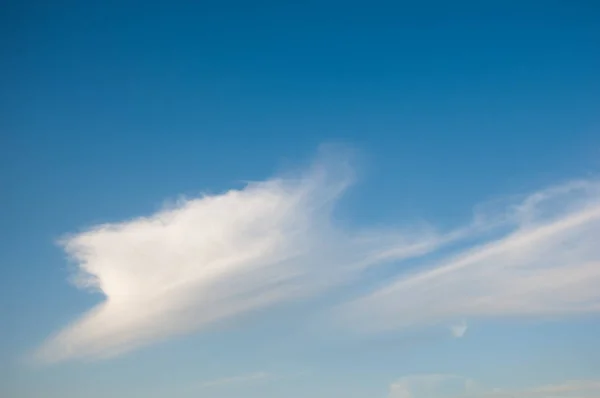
x=428 y=385
x=459 y=329
x=548 y=264
x=228 y=381
x=453 y=386
x=219 y=256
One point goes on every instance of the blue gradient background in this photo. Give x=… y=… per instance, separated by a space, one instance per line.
x=109 y=108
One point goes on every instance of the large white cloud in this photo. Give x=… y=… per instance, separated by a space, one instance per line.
x=216 y=257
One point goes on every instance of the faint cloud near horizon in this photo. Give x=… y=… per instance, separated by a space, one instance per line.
x=454 y=386
x=228 y=381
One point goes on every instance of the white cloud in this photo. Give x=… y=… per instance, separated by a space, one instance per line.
x=234 y=380
x=547 y=265
x=453 y=386
x=215 y=257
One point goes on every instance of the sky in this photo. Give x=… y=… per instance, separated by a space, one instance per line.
x=300 y=199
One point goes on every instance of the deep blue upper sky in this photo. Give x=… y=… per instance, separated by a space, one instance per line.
x=107 y=110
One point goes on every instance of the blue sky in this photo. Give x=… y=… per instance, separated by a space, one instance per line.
x=357 y=199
